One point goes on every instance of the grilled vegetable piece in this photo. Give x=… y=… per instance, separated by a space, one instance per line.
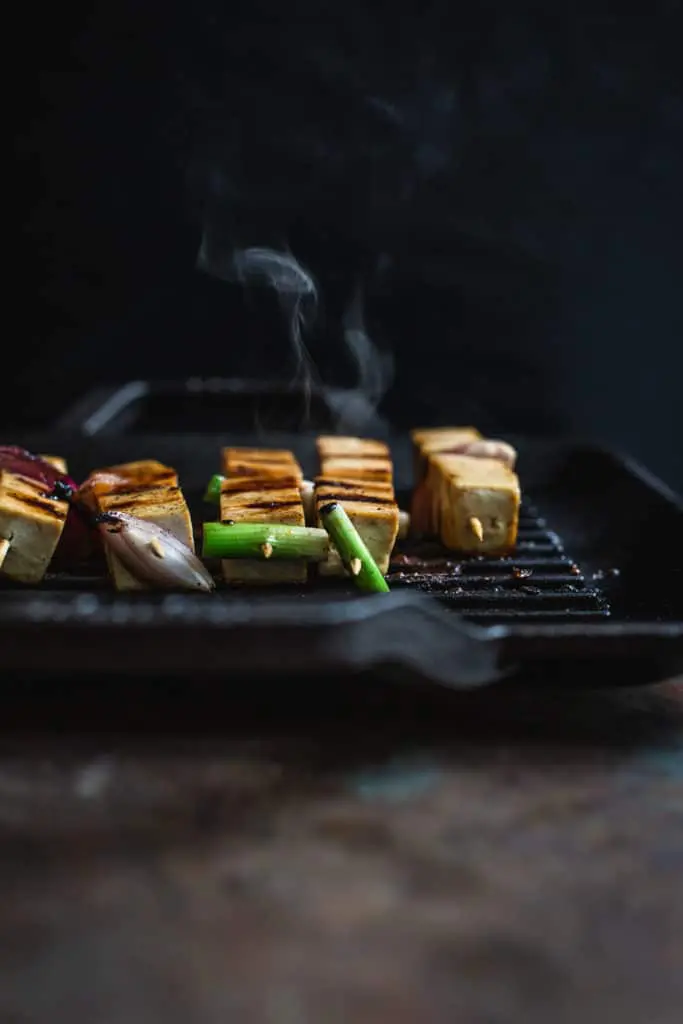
x=146 y=490
x=477 y=503
x=31 y=522
x=352 y=550
x=373 y=511
x=265 y=541
x=153 y=555
x=265 y=500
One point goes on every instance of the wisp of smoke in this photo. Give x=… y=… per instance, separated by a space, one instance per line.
x=297 y=294
x=294 y=286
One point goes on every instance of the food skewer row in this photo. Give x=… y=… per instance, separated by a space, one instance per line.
x=357 y=475
x=466 y=491
x=147 y=491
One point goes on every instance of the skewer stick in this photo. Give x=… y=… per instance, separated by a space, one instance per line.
x=476 y=527
x=4 y=548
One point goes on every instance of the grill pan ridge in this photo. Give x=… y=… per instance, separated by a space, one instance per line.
x=586 y=597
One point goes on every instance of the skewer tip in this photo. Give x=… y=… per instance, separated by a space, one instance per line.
x=4 y=548
x=267 y=549
x=355 y=565
x=156 y=547
x=476 y=527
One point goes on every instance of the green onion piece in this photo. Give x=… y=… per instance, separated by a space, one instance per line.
x=357 y=560
x=212 y=495
x=265 y=540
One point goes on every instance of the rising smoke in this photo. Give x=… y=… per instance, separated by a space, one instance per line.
x=298 y=297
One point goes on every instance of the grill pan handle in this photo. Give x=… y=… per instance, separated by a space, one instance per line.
x=117 y=409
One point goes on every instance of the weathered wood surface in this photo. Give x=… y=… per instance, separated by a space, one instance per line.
x=508 y=857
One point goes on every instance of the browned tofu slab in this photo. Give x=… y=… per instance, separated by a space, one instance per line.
x=371 y=470
x=478 y=504
x=32 y=522
x=262 y=462
x=268 y=500
x=147 y=490
x=360 y=447
x=428 y=441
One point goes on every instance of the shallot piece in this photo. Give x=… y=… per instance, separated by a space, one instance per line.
x=151 y=554
x=493 y=449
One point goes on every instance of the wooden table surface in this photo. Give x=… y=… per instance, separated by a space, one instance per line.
x=382 y=857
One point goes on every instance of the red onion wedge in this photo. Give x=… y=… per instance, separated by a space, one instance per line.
x=23 y=463
x=75 y=543
x=151 y=554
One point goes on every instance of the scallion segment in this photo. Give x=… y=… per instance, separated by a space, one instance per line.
x=266 y=541
x=357 y=560
x=212 y=495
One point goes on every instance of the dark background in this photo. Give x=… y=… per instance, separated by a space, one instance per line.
x=504 y=180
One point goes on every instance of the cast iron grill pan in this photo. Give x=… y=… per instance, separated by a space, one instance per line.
x=588 y=598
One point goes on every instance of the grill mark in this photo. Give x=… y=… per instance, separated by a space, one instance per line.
x=48 y=505
x=260 y=484
x=156 y=497
x=360 y=456
x=377 y=475
x=274 y=504
x=256 y=456
x=125 y=489
x=344 y=484
x=371 y=499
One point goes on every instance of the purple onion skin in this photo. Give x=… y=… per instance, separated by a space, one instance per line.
x=23 y=463
x=136 y=543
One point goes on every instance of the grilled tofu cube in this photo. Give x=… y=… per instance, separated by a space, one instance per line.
x=32 y=522
x=373 y=512
x=360 y=447
x=371 y=470
x=266 y=500
x=260 y=462
x=147 y=490
x=478 y=504
x=427 y=442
